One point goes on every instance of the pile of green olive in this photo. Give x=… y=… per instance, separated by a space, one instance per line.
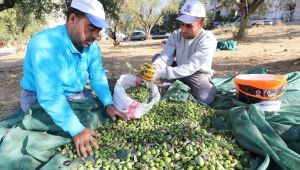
x=141 y=94
x=172 y=135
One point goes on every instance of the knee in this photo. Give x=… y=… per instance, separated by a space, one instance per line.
x=207 y=96
x=27 y=99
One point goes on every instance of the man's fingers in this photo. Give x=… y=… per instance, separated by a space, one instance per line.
x=82 y=150
x=89 y=149
x=94 y=133
x=122 y=116
x=113 y=117
x=77 y=149
x=113 y=112
x=130 y=116
x=94 y=143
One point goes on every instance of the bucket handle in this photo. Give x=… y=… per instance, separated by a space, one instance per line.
x=262 y=97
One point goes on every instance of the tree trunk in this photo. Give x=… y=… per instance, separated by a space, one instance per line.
x=150 y=29
x=148 y=34
x=243 y=26
x=147 y=31
x=7 y=4
x=115 y=38
x=246 y=9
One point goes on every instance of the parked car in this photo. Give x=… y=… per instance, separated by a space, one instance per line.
x=138 y=35
x=268 y=22
x=255 y=22
x=217 y=24
x=160 y=36
x=121 y=36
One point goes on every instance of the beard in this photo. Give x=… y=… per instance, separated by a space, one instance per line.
x=87 y=42
x=188 y=36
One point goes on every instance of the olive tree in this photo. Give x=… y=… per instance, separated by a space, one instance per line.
x=129 y=24
x=16 y=26
x=246 y=9
x=148 y=13
x=37 y=7
x=22 y=18
x=114 y=10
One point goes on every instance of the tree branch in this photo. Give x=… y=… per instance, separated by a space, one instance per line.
x=254 y=5
x=7 y=4
x=142 y=21
x=242 y=7
x=141 y=18
x=158 y=18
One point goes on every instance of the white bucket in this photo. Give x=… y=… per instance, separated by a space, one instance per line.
x=269 y=105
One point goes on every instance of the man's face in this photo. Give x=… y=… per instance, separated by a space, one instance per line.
x=190 y=31
x=83 y=32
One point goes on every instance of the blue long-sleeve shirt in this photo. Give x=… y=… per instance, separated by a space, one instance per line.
x=55 y=69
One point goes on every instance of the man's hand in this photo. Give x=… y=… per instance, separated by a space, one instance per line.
x=84 y=141
x=113 y=112
x=148 y=71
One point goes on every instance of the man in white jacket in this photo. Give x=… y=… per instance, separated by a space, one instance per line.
x=192 y=48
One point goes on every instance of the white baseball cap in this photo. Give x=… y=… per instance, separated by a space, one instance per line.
x=94 y=11
x=190 y=11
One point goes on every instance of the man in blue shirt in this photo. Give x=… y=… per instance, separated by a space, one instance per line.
x=57 y=65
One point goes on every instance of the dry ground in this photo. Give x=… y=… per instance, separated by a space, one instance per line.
x=276 y=48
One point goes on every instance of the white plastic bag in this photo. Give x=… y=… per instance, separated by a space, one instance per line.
x=125 y=104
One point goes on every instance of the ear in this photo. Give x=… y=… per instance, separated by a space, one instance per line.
x=201 y=23
x=72 y=18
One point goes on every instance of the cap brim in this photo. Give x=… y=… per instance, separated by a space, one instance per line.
x=186 y=19
x=98 y=22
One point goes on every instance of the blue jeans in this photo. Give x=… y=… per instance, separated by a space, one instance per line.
x=29 y=98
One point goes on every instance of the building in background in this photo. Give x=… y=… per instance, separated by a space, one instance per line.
x=297 y=9
x=286 y=10
x=220 y=9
